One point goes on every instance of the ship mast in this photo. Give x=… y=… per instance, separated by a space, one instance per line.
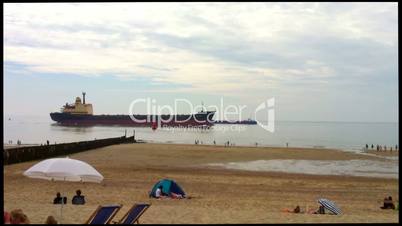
x=83 y=97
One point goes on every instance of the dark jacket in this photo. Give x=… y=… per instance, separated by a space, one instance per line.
x=78 y=200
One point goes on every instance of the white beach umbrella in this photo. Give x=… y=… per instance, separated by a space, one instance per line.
x=64 y=169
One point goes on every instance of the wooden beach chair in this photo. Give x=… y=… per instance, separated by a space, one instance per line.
x=134 y=214
x=103 y=214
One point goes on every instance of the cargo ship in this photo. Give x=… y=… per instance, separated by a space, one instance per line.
x=81 y=114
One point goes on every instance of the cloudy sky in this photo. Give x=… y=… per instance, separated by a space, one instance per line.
x=320 y=61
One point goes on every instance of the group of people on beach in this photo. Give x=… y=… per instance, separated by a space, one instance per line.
x=11 y=142
x=226 y=144
x=78 y=199
x=297 y=209
x=17 y=216
x=380 y=147
x=388 y=204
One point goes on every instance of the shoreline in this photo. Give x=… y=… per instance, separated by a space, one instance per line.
x=322 y=147
x=383 y=153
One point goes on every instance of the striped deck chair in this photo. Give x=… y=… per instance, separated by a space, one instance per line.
x=134 y=214
x=103 y=214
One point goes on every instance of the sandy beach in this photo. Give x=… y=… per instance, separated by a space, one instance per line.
x=218 y=195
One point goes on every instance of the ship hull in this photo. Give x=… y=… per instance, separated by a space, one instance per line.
x=247 y=122
x=202 y=119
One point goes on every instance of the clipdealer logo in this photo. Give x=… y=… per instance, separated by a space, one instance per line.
x=267 y=105
x=154 y=113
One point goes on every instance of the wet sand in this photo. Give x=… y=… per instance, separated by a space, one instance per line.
x=218 y=195
x=384 y=153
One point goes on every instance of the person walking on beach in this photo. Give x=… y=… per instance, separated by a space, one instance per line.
x=372 y=146
x=366 y=146
x=396 y=147
x=47 y=142
x=287 y=144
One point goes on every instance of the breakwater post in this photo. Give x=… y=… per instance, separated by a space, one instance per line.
x=24 y=154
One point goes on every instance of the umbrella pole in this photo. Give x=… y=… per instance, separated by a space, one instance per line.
x=62 y=203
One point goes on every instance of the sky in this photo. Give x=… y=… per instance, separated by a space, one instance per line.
x=320 y=61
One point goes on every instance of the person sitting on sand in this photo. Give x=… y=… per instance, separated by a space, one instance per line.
x=59 y=199
x=78 y=199
x=321 y=210
x=388 y=203
x=18 y=217
x=50 y=220
x=7 y=217
x=295 y=210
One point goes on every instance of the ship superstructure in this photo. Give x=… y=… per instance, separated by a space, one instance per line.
x=78 y=108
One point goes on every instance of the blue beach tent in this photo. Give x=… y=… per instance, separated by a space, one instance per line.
x=168 y=186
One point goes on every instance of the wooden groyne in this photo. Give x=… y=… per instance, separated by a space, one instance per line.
x=23 y=154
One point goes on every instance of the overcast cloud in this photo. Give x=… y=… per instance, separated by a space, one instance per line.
x=307 y=55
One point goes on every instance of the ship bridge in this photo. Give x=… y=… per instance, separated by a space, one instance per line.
x=78 y=107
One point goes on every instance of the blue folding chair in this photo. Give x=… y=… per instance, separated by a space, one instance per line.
x=103 y=214
x=134 y=214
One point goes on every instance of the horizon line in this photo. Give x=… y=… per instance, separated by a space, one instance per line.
x=279 y=120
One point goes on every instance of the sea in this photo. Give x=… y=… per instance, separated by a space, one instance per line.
x=346 y=136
